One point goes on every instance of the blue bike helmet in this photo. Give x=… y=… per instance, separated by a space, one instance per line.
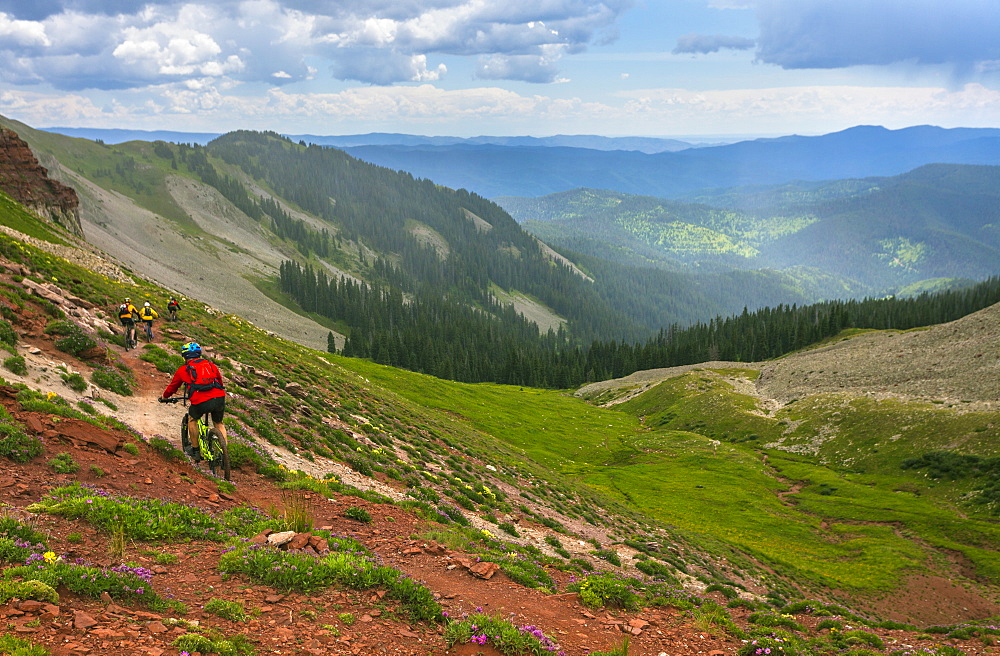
x=191 y=350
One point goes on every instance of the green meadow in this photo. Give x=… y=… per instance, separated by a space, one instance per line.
x=690 y=455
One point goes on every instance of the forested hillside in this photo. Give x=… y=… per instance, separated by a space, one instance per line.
x=873 y=235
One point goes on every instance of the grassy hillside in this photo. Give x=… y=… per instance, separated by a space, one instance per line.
x=698 y=480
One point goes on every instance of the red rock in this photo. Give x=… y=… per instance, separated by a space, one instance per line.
x=484 y=570
x=319 y=544
x=82 y=620
x=34 y=423
x=28 y=182
x=30 y=606
x=298 y=542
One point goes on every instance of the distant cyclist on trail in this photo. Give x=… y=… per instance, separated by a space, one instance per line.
x=127 y=315
x=173 y=307
x=147 y=314
x=205 y=391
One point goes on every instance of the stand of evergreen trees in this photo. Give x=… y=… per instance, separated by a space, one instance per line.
x=430 y=334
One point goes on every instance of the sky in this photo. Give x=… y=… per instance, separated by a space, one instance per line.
x=666 y=68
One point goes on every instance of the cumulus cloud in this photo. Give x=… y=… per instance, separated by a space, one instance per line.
x=378 y=66
x=21 y=32
x=527 y=68
x=839 y=33
x=705 y=43
x=281 y=41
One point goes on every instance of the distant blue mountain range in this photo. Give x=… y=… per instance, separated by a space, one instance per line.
x=666 y=168
x=590 y=142
x=864 y=151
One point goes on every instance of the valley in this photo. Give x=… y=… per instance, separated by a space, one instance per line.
x=693 y=509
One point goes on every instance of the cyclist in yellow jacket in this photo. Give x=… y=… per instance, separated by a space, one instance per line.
x=127 y=314
x=146 y=315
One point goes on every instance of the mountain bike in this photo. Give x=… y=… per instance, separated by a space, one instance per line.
x=212 y=447
x=130 y=342
x=147 y=329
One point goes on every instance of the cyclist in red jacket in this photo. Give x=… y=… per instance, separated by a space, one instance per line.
x=205 y=391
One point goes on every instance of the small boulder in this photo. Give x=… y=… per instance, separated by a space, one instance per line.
x=279 y=539
x=484 y=570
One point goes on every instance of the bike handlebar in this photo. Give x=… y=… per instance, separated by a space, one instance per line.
x=173 y=399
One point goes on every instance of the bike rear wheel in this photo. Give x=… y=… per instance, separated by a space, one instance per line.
x=220 y=453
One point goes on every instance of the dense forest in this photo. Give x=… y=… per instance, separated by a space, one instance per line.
x=428 y=335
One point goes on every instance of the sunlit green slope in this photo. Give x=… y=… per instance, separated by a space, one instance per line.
x=690 y=454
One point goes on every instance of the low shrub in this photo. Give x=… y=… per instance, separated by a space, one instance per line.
x=11 y=528
x=34 y=590
x=509 y=528
x=167 y=450
x=163 y=361
x=76 y=343
x=657 y=570
x=74 y=381
x=113 y=380
x=195 y=643
x=772 y=620
x=15 y=646
x=601 y=589
x=63 y=463
x=358 y=514
x=608 y=555
x=17 y=445
x=229 y=610
x=504 y=636
x=148 y=520
x=347 y=564
x=726 y=591
x=121 y=582
x=16 y=364
x=773 y=646
x=8 y=336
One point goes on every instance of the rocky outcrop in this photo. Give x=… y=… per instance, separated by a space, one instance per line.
x=28 y=182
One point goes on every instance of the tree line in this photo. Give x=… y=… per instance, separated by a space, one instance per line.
x=429 y=333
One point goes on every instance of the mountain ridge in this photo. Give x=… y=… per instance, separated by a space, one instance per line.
x=855 y=152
